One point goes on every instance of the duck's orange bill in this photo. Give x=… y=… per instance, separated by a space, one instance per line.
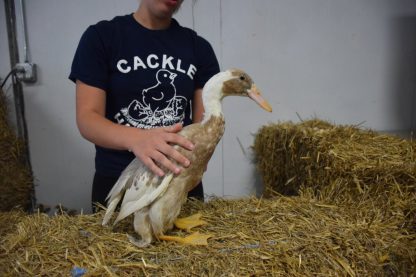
x=255 y=94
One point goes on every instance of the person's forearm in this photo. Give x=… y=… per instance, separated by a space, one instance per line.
x=149 y=146
x=101 y=131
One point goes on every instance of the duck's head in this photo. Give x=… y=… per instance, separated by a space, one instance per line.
x=235 y=82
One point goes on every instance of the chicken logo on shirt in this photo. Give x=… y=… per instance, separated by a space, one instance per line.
x=159 y=105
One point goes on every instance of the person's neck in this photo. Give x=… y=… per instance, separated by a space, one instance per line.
x=151 y=22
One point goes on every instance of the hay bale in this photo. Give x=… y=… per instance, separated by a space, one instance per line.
x=9 y=220
x=335 y=161
x=16 y=182
x=285 y=236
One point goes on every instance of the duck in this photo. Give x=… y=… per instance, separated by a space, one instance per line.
x=156 y=201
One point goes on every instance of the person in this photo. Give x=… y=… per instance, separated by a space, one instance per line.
x=139 y=80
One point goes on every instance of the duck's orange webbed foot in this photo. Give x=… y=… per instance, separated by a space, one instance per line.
x=193 y=239
x=187 y=223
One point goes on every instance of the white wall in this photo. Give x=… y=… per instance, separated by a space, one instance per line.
x=346 y=61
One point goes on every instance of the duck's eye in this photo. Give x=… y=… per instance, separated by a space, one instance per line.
x=242 y=78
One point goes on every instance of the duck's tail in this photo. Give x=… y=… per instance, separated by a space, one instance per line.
x=110 y=209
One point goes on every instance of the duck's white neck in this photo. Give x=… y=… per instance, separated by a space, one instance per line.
x=212 y=95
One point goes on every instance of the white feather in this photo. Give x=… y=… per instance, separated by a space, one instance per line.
x=128 y=173
x=127 y=179
x=140 y=184
x=110 y=210
x=212 y=93
x=148 y=197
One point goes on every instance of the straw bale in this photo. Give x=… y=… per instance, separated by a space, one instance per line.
x=329 y=158
x=15 y=176
x=9 y=220
x=284 y=236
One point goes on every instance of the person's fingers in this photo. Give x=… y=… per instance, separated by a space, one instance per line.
x=177 y=139
x=174 y=138
x=172 y=153
x=157 y=149
x=162 y=160
x=151 y=165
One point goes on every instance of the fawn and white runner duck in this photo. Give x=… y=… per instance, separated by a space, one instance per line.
x=156 y=201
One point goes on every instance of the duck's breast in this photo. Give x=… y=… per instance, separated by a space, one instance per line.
x=205 y=138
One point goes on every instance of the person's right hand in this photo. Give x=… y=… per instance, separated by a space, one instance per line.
x=154 y=147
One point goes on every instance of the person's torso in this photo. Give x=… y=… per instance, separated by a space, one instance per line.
x=151 y=74
x=151 y=80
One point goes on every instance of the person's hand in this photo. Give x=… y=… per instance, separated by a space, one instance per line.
x=154 y=147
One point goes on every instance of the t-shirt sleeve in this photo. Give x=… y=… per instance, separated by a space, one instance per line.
x=207 y=63
x=90 y=64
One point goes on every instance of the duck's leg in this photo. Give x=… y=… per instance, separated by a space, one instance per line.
x=193 y=239
x=187 y=223
x=163 y=212
x=143 y=228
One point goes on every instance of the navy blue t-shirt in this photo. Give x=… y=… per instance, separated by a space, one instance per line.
x=149 y=76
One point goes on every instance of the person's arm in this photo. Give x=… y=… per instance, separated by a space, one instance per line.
x=153 y=147
x=197 y=107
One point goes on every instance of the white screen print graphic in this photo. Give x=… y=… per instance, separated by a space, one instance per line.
x=158 y=106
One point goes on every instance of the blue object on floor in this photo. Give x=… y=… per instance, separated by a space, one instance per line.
x=77 y=271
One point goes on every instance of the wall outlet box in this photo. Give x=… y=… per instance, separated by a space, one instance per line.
x=26 y=72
